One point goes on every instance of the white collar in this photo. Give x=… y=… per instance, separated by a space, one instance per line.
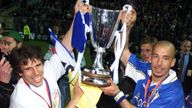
x=172 y=76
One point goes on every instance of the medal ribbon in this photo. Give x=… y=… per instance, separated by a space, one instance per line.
x=48 y=93
x=146 y=102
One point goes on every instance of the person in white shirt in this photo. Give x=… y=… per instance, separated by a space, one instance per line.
x=37 y=87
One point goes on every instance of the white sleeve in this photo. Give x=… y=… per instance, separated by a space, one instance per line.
x=54 y=67
x=133 y=73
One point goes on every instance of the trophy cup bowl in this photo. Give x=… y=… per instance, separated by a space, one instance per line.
x=104 y=24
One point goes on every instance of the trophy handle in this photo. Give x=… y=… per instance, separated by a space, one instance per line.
x=113 y=34
x=94 y=44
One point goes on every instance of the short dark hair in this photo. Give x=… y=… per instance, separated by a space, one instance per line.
x=20 y=56
x=149 y=40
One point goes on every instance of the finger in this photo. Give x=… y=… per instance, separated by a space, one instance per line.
x=3 y=60
x=77 y=6
x=6 y=64
x=10 y=69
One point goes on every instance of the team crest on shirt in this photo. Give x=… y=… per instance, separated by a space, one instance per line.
x=140 y=102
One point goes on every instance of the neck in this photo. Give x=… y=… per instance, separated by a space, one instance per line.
x=156 y=79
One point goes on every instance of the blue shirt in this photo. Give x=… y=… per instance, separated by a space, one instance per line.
x=168 y=95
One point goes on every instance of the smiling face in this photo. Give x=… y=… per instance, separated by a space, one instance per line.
x=162 y=60
x=32 y=72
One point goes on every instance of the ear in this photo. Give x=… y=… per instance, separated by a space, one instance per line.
x=20 y=74
x=173 y=62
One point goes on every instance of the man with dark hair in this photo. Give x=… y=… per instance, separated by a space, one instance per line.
x=38 y=82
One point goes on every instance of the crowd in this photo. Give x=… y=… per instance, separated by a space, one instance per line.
x=155 y=18
x=162 y=79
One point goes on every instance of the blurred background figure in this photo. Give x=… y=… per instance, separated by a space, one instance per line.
x=26 y=32
x=146 y=46
x=6 y=79
x=184 y=66
x=10 y=40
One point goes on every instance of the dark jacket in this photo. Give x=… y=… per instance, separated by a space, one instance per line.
x=5 y=93
x=187 y=86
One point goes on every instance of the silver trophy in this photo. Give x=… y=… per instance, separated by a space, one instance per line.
x=104 y=24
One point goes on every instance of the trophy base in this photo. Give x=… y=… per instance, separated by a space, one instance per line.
x=95 y=79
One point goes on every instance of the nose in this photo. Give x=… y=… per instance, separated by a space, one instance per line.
x=159 y=61
x=35 y=71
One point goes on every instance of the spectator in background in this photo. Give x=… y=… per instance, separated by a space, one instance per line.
x=184 y=65
x=26 y=32
x=6 y=88
x=146 y=46
x=11 y=39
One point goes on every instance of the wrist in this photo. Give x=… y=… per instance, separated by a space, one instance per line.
x=5 y=80
x=119 y=97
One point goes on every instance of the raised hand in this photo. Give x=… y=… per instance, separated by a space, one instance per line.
x=5 y=70
x=128 y=17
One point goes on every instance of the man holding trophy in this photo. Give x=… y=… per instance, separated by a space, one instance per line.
x=157 y=85
x=102 y=24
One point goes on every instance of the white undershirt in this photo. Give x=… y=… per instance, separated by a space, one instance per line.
x=41 y=91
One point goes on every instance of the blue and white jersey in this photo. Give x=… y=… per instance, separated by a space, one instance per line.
x=168 y=95
x=137 y=69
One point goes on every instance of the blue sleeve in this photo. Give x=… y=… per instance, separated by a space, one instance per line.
x=139 y=64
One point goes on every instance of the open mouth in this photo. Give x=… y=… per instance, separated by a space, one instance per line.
x=37 y=79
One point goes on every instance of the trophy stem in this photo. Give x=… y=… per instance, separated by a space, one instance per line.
x=98 y=63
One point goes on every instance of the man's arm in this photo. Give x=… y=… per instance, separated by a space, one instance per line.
x=126 y=52
x=130 y=20
x=66 y=41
